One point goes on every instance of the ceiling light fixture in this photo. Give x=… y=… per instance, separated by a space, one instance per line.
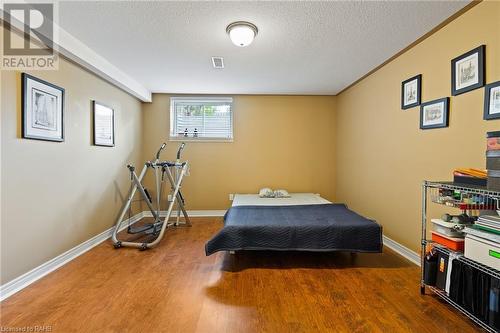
x=242 y=33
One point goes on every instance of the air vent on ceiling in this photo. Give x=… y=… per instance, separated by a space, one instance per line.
x=218 y=62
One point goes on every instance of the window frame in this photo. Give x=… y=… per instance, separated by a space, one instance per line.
x=198 y=99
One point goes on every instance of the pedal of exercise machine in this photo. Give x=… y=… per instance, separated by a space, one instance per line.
x=148 y=228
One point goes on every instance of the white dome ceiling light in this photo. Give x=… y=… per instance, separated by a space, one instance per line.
x=242 y=33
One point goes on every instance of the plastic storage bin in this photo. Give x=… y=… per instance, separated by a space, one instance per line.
x=448 y=228
x=456 y=244
x=483 y=251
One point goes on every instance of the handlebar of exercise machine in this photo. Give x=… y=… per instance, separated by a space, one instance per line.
x=157 y=162
x=159 y=150
x=181 y=148
x=179 y=151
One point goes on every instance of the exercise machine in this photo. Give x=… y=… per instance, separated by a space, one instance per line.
x=174 y=172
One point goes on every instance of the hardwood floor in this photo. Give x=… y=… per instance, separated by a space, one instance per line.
x=176 y=288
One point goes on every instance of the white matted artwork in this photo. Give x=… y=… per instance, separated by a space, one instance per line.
x=410 y=92
x=434 y=114
x=492 y=101
x=104 y=125
x=42 y=109
x=468 y=71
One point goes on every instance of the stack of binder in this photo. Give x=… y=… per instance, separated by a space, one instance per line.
x=489 y=224
x=482 y=241
x=493 y=160
x=470 y=176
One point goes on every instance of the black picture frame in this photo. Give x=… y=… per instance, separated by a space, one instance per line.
x=487 y=99
x=418 y=78
x=445 y=122
x=481 y=70
x=26 y=108
x=94 y=134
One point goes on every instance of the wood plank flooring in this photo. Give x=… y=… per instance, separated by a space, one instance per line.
x=176 y=288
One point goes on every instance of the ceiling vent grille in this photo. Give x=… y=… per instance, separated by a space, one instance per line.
x=218 y=62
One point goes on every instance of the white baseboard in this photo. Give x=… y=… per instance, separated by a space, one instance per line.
x=10 y=288
x=402 y=250
x=206 y=213
x=191 y=213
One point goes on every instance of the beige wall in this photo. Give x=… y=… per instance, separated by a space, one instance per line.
x=57 y=195
x=382 y=156
x=279 y=141
x=358 y=148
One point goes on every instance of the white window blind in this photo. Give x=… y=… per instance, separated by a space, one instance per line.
x=204 y=118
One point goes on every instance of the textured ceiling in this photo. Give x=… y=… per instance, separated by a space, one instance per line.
x=302 y=47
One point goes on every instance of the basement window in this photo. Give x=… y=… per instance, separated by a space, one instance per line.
x=201 y=119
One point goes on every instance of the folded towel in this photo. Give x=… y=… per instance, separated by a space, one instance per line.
x=281 y=194
x=266 y=192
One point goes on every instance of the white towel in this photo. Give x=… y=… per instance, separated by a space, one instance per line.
x=448 y=273
x=266 y=192
x=281 y=194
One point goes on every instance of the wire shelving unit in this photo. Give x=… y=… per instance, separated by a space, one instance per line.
x=467 y=198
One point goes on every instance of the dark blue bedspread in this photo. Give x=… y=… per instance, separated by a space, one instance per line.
x=326 y=227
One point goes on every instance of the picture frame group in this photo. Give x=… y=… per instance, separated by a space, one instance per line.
x=42 y=113
x=468 y=73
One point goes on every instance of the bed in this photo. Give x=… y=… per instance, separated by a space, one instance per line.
x=303 y=222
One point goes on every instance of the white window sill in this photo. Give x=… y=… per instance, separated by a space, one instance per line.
x=188 y=139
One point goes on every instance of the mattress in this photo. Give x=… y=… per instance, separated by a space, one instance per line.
x=295 y=199
x=312 y=227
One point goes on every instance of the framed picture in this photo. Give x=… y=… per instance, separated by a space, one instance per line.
x=42 y=109
x=410 y=92
x=434 y=114
x=104 y=125
x=492 y=101
x=467 y=71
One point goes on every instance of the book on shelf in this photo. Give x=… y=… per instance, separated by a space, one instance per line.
x=490 y=222
x=490 y=218
x=487 y=229
x=480 y=232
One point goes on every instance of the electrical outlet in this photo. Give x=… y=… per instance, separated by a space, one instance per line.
x=231 y=197
x=169 y=197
